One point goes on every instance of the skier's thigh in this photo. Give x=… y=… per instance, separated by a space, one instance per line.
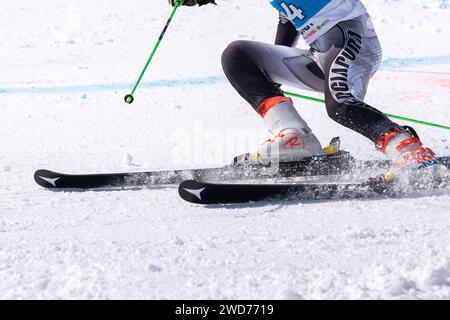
x=284 y=65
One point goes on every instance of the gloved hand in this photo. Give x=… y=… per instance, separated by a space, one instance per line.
x=191 y=3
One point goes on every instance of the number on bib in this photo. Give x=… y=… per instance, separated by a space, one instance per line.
x=299 y=12
x=292 y=12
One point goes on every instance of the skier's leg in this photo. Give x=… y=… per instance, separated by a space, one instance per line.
x=350 y=54
x=256 y=70
x=349 y=59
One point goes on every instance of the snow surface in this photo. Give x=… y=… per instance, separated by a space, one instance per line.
x=64 y=69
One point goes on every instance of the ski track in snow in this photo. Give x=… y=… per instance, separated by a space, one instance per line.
x=390 y=64
x=150 y=244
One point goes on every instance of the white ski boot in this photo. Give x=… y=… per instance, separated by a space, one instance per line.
x=413 y=163
x=293 y=139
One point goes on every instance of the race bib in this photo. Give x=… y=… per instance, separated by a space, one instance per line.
x=299 y=12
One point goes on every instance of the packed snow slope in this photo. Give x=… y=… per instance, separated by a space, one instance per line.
x=64 y=69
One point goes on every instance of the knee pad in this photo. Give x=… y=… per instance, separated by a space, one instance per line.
x=234 y=51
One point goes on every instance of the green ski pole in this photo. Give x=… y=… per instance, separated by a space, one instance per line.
x=129 y=98
x=393 y=116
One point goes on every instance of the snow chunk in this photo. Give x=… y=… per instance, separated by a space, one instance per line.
x=127 y=159
x=154 y=268
x=290 y=295
x=178 y=241
x=439 y=276
x=401 y=286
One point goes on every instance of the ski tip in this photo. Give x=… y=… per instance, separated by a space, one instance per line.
x=192 y=191
x=46 y=179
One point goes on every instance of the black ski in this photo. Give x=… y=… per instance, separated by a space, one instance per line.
x=218 y=193
x=55 y=180
x=316 y=166
x=339 y=163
